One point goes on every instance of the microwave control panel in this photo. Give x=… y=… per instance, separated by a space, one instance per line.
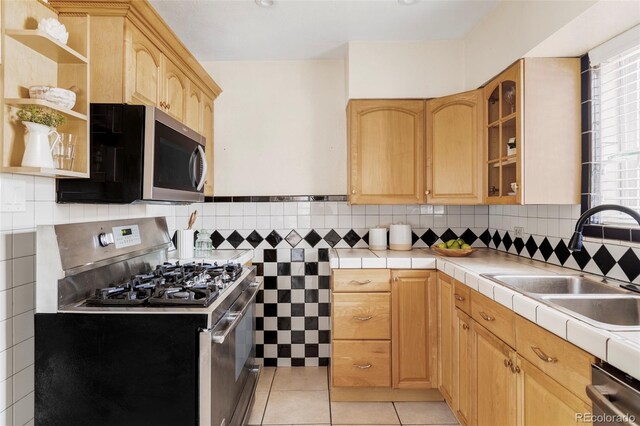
x=126 y=236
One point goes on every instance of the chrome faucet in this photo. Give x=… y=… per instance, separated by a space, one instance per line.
x=575 y=243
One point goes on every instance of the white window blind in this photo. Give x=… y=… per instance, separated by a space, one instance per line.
x=615 y=174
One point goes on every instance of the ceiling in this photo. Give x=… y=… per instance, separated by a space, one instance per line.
x=311 y=29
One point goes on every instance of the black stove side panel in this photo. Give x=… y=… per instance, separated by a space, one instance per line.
x=117 y=369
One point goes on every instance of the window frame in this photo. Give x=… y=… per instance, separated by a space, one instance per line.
x=592 y=229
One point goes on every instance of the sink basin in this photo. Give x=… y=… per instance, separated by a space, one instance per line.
x=554 y=284
x=611 y=312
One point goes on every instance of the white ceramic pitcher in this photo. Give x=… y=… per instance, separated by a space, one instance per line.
x=37 y=151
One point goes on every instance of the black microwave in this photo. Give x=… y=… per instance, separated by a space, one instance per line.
x=138 y=154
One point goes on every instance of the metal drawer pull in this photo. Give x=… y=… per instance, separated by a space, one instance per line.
x=363 y=318
x=459 y=298
x=543 y=356
x=362 y=367
x=486 y=317
x=360 y=282
x=465 y=326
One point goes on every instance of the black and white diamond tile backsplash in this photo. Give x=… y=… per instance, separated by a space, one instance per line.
x=613 y=261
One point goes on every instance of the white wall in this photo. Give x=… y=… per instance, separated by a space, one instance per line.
x=280 y=127
x=405 y=69
x=511 y=30
x=601 y=22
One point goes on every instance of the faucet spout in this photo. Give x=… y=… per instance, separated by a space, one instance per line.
x=575 y=243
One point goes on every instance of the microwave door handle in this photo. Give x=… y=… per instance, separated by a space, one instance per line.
x=204 y=168
x=192 y=168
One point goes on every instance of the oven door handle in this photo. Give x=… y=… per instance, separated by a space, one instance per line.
x=601 y=400
x=231 y=320
x=203 y=178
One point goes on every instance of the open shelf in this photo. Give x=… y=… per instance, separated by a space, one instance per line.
x=18 y=102
x=40 y=171
x=47 y=46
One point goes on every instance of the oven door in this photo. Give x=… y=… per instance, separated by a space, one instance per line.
x=228 y=373
x=175 y=166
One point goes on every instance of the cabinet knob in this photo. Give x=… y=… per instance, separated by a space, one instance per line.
x=465 y=326
x=353 y=191
x=168 y=106
x=395 y=279
x=508 y=363
x=427 y=192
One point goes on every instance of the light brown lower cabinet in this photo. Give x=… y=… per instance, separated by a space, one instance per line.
x=446 y=356
x=543 y=401
x=494 y=381
x=384 y=335
x=414 y=362
x=506 y=370
x=462 y=368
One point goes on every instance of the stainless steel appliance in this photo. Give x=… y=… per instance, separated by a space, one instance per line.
x=124 y=337
x=615 y=397
x=139 y=154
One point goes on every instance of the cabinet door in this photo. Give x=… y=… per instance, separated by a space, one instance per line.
x=543 y=401
x=494 y=379
x=454 y=144
x=175 y=90
x=386 y=151
x=142 y=79
x=503 y=99
x=446 y=312
x=207 y=132
x=414 y=363
x=462 y=368
x=193 y=113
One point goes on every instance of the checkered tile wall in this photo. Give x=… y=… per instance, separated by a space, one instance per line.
x=293 y=311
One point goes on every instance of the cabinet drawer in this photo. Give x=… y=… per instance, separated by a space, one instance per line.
x=361 y=280
x=494 y=317
x=462 y=297
x=559 y=359
x=361 y=363
x=362 y=316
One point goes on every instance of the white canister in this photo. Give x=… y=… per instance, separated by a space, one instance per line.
x=378 y=238
x=184 y=243
x=400 y=236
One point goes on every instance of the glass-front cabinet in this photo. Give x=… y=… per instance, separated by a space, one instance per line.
x=503 y=137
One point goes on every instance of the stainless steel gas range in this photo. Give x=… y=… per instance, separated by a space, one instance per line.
x=122 y=337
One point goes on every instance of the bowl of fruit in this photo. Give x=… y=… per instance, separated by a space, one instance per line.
x=454 y=248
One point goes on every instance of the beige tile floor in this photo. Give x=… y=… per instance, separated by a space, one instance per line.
x=300 y=396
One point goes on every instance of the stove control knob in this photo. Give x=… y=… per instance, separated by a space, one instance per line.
x=105 y=239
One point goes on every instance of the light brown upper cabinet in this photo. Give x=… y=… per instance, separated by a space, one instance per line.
x=532 y=133
x=454 y=149
x=194 y=108
x=174 y=91
x=386 y=151
x=135 y=58
x=207 y=131
x=142 y=60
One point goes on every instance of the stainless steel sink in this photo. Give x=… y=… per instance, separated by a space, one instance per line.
x=554 y=284
x=611 y=312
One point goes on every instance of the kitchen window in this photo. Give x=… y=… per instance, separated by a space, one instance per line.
x=611 y=137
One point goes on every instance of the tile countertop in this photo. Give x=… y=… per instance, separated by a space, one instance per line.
x=223 y=256
x=620 y=349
